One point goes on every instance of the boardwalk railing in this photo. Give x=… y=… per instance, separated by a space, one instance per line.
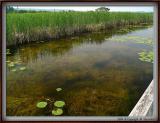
x=144 y=107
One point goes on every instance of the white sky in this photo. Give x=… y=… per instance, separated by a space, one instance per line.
x=87 y=8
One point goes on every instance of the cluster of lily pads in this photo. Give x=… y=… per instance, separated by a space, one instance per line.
x=16 y=65
x=147 y=42
x=136 y=39
x=8 y=52
x=58 y=105
x=146 y=56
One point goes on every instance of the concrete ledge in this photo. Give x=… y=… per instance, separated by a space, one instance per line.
x=144 y=107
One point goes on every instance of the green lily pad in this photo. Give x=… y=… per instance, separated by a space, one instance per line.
x=11 y=64
x=14 y=70
x=58 y=89
x=17 y=62
x=22 y=68
x=8 y=52
x=8 y=61
x=59 y=104
x=146 y=56
x=41 y=104
x=57 y=112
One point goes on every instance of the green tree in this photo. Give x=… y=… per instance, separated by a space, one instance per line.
x=104 y=9
x=9 y=9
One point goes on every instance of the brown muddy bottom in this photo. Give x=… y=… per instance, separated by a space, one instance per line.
x=98 y=76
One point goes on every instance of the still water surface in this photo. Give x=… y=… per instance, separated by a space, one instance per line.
x=98 y=76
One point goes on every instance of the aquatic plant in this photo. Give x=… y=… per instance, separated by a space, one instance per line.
x=58 y=89
x=8 y=61
x=59 y=104
x=41 y=104
x=27 y=27
x=57 y=111
x=146 y=56
x=11 y=64
x=145 y=41
x=135 y=39
x=8 y=52
x=17 y=62
x=22 y=68
x=14 y=70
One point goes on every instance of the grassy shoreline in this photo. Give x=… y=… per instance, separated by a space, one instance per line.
x=29 y=27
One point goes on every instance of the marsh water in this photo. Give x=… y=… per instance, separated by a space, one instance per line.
x=99 y=75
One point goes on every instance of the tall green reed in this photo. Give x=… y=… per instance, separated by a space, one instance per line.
x=27 y=27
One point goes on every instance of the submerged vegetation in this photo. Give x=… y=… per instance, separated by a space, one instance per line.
x=29 y=27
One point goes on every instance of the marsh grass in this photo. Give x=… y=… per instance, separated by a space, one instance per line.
x=28 y=27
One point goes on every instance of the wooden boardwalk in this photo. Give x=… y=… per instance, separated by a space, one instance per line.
x=144 y=106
